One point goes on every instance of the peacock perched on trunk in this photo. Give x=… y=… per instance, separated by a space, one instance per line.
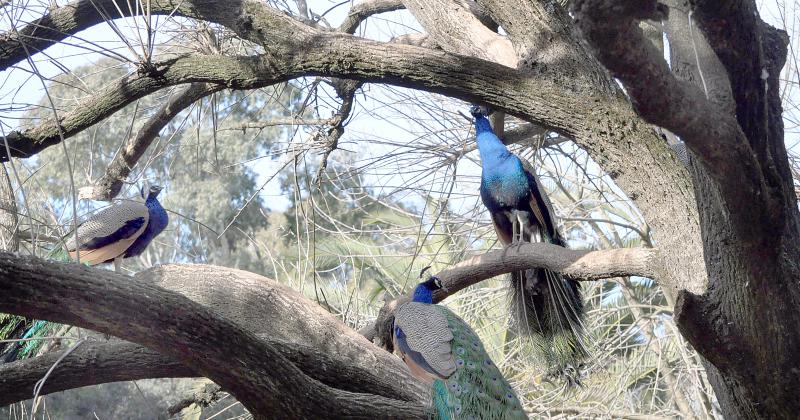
x=122 y=230
x=442 y=350
x=546 y=306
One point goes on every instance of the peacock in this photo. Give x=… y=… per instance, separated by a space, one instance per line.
x=442 y=350
x=123 y=230
x=545 y=306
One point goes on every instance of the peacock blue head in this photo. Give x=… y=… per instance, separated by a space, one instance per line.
x=424 y=291
x=153 y=191
x=481 y=122
x=149 y=191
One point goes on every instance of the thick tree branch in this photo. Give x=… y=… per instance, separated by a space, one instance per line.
x=99 y=363
x=262 y=379
x=89 y=364
x=265 y=306
x=544 y=40
x=456 y=28
x=321 y=346
x=692 y=59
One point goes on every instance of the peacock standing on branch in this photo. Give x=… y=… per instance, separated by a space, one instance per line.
x=546 y=306
x=123 y=230
x=442 y=350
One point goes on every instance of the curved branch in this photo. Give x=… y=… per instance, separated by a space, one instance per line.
x=89 y=364
x=220 y=71
x=110 y=184
x=578 y=265
x=259 y=375
x=362 y=10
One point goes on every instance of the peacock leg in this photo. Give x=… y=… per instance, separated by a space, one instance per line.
x=118 y=265
x=520 y=229
x=514 y=227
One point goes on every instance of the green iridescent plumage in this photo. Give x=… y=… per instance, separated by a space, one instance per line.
x=477 y=390
x=443 y=351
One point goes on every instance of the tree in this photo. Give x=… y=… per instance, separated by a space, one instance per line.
x=725 y=228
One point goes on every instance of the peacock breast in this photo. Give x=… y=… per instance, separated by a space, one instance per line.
x=504 y=187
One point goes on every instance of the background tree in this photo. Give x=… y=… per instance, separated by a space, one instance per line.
x=191 y=93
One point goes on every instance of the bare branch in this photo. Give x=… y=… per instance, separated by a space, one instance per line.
x=222 y=72
x=110 y=184
x=578 y=265
x=114 y=361
x=364 y=9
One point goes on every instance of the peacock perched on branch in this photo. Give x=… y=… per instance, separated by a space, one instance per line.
x=546 y=306
x=122 y=230
x=442 y=350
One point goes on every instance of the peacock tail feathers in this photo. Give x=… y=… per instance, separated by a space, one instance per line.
x=59 y=254
x=477 y=389
x=14 y=327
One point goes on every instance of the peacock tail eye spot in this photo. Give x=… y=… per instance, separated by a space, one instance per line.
x=475 y=345
x=461 y=350
x=471 y=365
x=487 y=362
x=460 y=362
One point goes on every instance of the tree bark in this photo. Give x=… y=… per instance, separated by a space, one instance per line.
x=746 y=322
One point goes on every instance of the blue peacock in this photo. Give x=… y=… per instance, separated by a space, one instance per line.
x=123 y=230
x=546 y=306
x=442 y=350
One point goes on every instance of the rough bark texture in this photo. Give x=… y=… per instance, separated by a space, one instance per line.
x=9 y=238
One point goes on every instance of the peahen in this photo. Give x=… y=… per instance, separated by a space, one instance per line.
x=441 y=350
x=122 y=230
x=546 y=306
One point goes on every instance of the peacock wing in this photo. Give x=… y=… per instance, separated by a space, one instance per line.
x=108 y=233
x=541 y=206
x=423 y=338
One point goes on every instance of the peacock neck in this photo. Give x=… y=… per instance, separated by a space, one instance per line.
x=423 y=294
x=491 y=149
x=158 y=215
